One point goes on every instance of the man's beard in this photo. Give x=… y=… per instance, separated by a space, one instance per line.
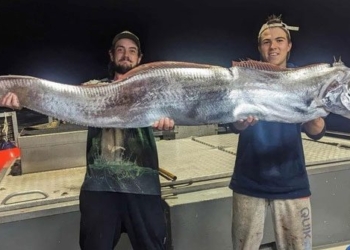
x=120 y=68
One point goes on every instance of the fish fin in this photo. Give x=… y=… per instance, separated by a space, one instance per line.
x=259 y=65
x=164 y=65
x=338 y=63
x=252 y=64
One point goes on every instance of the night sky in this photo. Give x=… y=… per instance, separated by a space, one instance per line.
x=68 y=41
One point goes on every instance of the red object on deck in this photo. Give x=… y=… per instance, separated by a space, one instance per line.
x=8 y=157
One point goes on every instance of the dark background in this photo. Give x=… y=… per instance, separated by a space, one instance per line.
x=68 y=41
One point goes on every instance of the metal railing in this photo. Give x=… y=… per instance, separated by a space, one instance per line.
x=10 y=119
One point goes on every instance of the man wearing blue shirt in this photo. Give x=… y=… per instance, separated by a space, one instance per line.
x=270 y=165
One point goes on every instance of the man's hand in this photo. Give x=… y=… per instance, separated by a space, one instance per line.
x=314 y=127
x=164 y=124
x=10 y=100
x=243 y=124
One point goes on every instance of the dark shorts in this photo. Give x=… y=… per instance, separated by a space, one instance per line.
x=105 y=215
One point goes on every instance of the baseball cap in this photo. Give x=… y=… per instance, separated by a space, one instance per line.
x=128 y=35
x=277 y=23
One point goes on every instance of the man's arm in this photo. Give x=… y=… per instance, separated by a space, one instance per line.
x=315 y=129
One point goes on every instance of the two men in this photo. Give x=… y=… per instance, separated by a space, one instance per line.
x=269 y=169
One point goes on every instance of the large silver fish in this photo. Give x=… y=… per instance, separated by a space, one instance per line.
x=192 y=94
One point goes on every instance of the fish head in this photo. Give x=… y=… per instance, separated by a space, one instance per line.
x=335 y=94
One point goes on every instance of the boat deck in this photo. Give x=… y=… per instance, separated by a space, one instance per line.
x=203 y=167
x=194 y=161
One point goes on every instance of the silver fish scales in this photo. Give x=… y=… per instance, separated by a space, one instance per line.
x=191 y=94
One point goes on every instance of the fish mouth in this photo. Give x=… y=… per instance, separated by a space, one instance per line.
x=345 y=100
x=329 y=87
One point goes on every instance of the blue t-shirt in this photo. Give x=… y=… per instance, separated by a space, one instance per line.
x=270 y=161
